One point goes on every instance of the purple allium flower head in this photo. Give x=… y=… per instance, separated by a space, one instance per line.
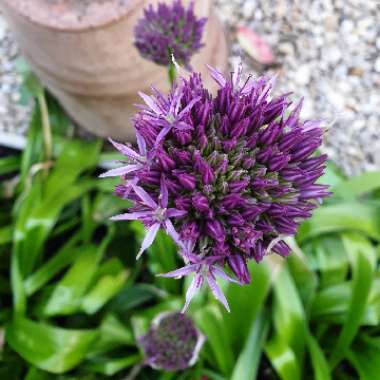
x=228 y=177
x=172 y=343
x=169 y=29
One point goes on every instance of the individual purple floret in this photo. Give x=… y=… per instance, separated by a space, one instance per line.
x=228 y=176
x=169 y=29
x=172 y=343
x=203 y=271
x=155 y=215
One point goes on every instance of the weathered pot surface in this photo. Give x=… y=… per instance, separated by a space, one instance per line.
x=72 y=15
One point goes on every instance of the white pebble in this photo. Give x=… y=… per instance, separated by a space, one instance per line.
x=377 y=65
x=3 y=28
x=303 y=75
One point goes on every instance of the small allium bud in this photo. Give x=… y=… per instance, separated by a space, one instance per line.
x=172 y=343
x=237 y=174
x=169 y=29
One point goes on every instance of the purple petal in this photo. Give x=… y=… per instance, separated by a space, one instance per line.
x=216 y=291
x=182 y=126
x=150 y=103
x=175 y=213
x=214 y=228
x=125 y=150
x=239 y=266
x=132 y=215
x=169 y=228
x=186 y=250
x=188 y=181
x=200 y=203
x=164 y=194
x=282 y=249
x=145 y=197
x=149 y=238
x=120 y=171
x=178 y=273
x=237 y=73
x=217 y=75
x=141 y=143
x=270 y=84
x=164 y=131
x=220 y=273
x=189 y=107
x=194 y=287
x=176 y=101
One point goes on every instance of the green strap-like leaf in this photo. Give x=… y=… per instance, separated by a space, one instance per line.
x=249 y=359
x=66 y=296
x=246 y=300
x=364 y=356
x=289 y=315
x=9 y=164
x=318 y=359
x=42 y=205
x=18 y=291
x=212 y=375
x=36 y=374
x=32 y=153
x=332 y=259
x=6 y=234
x=354 y=216
x=332 y=303
x=286 y=348
x=113 y=333
x=105 y=288
x=52 y=349
x=110 y=366
x=210 y=321
x=304 y=277
x=47 y=271
x=356 y=186
x=283 y=359
x=363 y=258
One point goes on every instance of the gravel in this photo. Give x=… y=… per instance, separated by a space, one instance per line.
x=13 y=116
x=326 y=51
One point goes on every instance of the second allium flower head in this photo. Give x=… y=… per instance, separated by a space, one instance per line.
x=172 y=342
x=169 y=30
x=227 y=177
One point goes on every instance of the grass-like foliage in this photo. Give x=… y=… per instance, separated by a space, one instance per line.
x=74 y=300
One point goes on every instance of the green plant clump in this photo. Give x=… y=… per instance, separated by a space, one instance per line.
x=73 y=300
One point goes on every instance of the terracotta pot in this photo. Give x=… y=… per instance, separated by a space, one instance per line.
x=83 y=51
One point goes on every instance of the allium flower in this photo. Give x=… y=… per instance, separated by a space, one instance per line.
x=230 y=185
x=172 y=343
x=171 y=29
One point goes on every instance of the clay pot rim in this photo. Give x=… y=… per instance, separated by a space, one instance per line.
x=74 y=26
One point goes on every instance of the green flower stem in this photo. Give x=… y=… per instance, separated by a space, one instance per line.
x=172 y=73
x=135 y=371
x=46 y=128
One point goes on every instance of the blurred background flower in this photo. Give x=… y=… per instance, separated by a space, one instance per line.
x=172 y=342
x=169 y=29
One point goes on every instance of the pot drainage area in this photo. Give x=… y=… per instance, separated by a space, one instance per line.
x=326 y=51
